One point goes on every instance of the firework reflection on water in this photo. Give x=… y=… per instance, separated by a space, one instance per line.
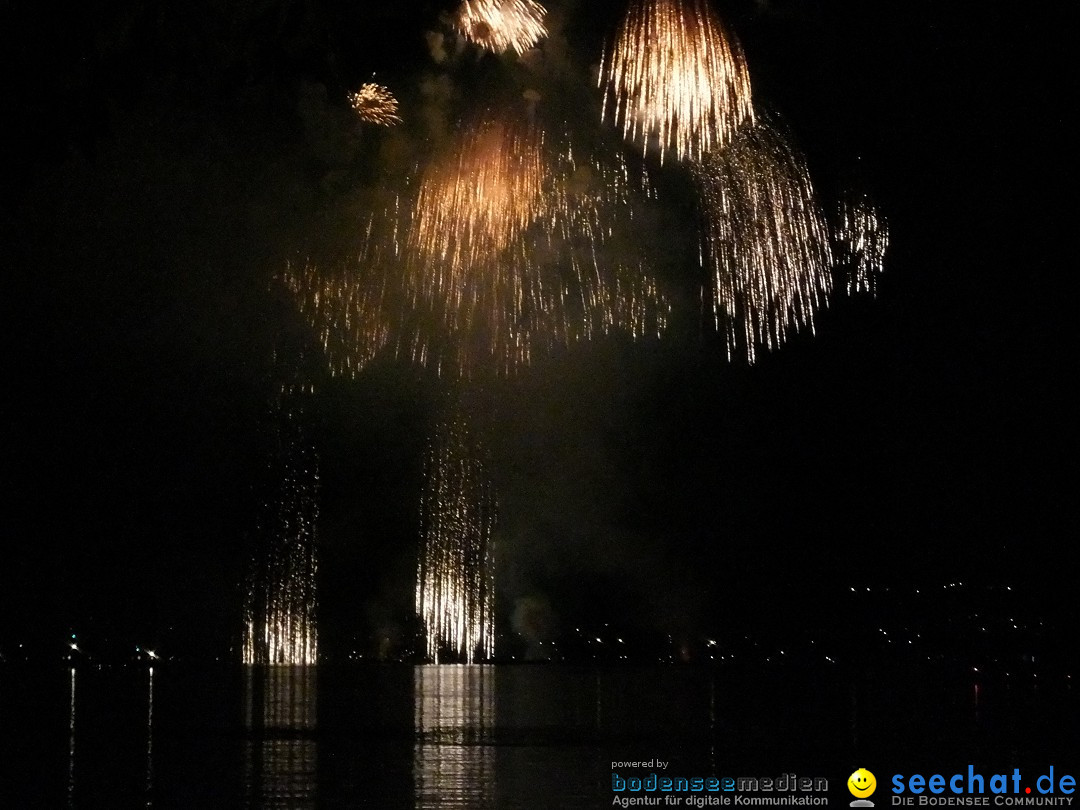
x=281 y=749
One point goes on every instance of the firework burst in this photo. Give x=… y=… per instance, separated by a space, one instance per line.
x=674 y=75
x=279 y=609
x=474 y=206
x=455 y=573
x=511 y=245
x=766 y=244
x=862 y=238
x=375 y=104
x=502 y=25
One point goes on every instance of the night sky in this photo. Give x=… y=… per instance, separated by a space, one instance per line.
x=164 y=164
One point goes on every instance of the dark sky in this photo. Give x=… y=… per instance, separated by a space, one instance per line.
x=164 y=165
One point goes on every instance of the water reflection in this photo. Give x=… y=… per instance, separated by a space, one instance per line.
x=71 y=744
x=712 y=724
x=150 y=739
x=467 y=737
x=280 y=754
x=454 y=759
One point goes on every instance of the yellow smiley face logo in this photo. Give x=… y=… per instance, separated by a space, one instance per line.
x=861 y=783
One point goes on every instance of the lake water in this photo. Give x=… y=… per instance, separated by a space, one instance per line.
x=488 y=736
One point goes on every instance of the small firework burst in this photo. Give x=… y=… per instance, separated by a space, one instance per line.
x=862 y=238
x=766 y=244
x=502 y=25
x=375 y=104
x=674 y=75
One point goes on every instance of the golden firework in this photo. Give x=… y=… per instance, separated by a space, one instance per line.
x=478 y=202
x=455 y=578
x=512 y=245
x=766 y=244
x=375 y=104
x=502 y=25
x=862 y=238
x=675 y=76
x=280 y=602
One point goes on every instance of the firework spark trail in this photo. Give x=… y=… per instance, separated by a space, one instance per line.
x=862 y=239
x=455 y=573
x=513 y=246
x=766 y=243
x=279 y=611
x=675 y=75
x=375 y=104
x=502 y=25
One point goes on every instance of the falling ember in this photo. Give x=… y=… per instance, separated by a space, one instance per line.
x=375 y=104
x=502 y=25
x=455 y=574
x=279 y=611
x=512 y=245
x=862 y=239
x=766 y=244
x=675 y=75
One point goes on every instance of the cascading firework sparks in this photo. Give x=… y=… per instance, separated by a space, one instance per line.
x=455 y=588
x=676 y=76
x=280 y=605
x=474 y=206
x=862 y=238
x=375 y=104
x=511 y=246
x=766 y=244
x=502 y=25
